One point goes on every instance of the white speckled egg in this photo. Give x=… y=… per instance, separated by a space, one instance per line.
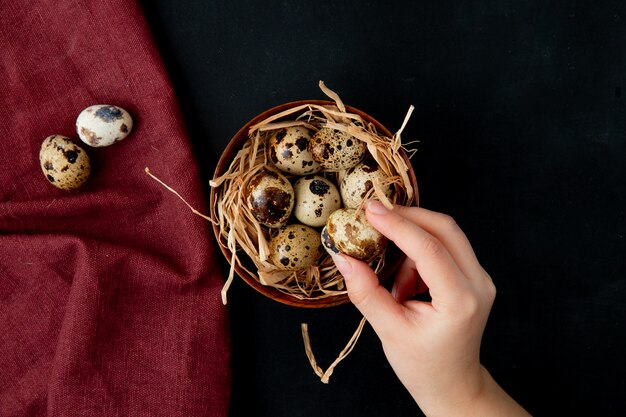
x=359 y=180
x=316 y=198
x=103 y=125
x=65 y=164
x=295 y=247
x=352 y=234
x=288 y=150
x=270 y=197
x=336 y=150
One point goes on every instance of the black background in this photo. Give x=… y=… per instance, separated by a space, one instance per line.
x=520 y=114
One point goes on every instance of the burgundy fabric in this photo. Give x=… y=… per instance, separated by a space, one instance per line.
x=109 y=295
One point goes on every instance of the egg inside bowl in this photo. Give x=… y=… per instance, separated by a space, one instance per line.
x=273 y=143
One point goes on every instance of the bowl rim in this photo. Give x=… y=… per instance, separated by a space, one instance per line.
x=223 y=163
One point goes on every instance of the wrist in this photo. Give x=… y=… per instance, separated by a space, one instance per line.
x=451 y=391
x=459 y=395
x=486 y=398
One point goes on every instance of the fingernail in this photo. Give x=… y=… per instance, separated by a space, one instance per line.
x=342 y=264
x=376 y=207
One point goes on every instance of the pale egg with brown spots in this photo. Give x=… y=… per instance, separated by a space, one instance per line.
x=103 y=125
x=348 y=231
x=316 y=199
x=270 y=198
x=359 y=180
x=295 y=247
x=65 y=164
x=336 y=150
x=289 y=152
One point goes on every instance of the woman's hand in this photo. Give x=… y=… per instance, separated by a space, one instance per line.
x=432 y=346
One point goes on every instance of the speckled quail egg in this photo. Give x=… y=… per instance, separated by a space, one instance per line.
x=359 y=180
x=316 y=198
x=336 y=150
x=350 y=233
x=65 y=164
x=270 y=197
x=288 y=149
x=103 y=125
x=295 y=247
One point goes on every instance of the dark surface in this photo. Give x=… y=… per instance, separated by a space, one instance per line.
x=522 y=126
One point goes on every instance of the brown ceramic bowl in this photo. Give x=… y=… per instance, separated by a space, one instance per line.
x=393 y=256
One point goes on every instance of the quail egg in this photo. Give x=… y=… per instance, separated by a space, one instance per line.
x=65 y=164
x=295 y=247
x=359 y=180
x=103 y=125
x=336 y=150
x=316 y=198
x=350 y=233
x=270 y=197
x=288 y=149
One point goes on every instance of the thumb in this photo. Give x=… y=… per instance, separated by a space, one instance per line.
x=372 y=299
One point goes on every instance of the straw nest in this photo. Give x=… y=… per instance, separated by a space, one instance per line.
x=247 y=240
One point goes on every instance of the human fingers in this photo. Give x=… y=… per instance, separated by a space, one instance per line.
x=435 y=265
x=370 y=298
x=448 y=232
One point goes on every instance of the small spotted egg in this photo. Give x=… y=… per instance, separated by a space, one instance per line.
x=359 y=180
x=65 y=164
x=288 y=149
x=350 y=233
x=316 y=198
x=295 y=247
x=336 y=150
x=270 y=198
x=103 y=125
